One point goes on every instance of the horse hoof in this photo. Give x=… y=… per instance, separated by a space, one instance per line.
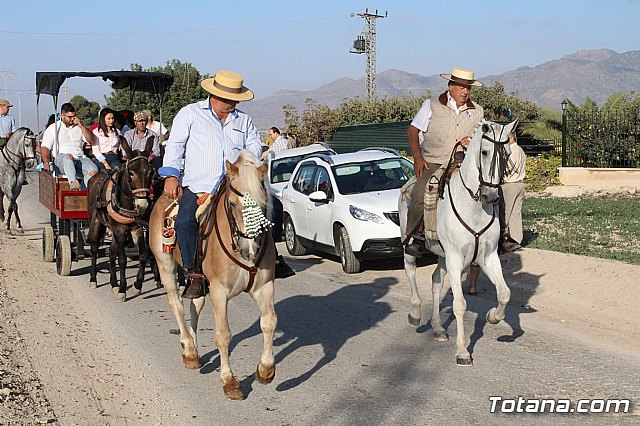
x=440 y=336
x=464 y=361
x=20 y=231
x=415 y=322
x=115 y=290
x=93 y=284
x=491 y=316
x=136 y=291
x=192 y=363
x=7 y=231
x=267 y=377
x=121 y=297
x=232 y=390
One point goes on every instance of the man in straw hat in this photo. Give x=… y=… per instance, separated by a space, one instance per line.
x=443 y=122
x=7 y=122
x=205 y=134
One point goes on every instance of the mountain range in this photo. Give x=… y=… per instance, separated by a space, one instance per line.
x=596 y=74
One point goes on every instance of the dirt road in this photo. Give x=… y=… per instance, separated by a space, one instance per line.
x=71 y=354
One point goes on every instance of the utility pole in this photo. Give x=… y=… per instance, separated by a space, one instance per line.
x=7 y=75
x=367 y=44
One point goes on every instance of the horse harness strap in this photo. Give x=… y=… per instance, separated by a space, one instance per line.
x=476 y=235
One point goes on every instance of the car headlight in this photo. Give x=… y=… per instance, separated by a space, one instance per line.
x=364 y=215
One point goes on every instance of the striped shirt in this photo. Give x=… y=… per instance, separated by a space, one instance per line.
x=280 y=144
x=137 y=142
x=7 y=125
x=198 y=136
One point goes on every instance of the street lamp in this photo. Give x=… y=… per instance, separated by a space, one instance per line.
x=564 y=132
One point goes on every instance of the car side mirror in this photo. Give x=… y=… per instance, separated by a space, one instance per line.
x=318 y=197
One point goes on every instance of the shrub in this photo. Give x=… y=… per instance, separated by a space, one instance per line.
x=542 y=171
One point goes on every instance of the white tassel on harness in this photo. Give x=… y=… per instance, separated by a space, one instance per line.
x=255 y=223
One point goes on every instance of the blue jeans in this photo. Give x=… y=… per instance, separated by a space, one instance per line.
x=187 y=226
x=112 y=159
x=71 y=168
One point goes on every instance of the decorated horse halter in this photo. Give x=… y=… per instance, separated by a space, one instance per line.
x=251 y=213
x=22 y=159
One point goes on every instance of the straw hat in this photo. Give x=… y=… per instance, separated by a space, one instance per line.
x=227 y=85
x=462 y=76
x=5 y=102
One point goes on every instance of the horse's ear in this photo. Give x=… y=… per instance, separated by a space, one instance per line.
x=125 y=146
x=512 y=126
x=230 y=168
x=148 y=146
x=262 y=171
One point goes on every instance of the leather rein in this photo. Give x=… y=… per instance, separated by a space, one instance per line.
x=476 y=196
x=210 y=223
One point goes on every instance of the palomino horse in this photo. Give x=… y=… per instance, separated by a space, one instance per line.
x=16 y=156
x=234 y=262
x=469 y=231
x=120 y=200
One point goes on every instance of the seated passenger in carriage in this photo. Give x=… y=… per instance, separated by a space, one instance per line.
x=138 y=136
x=105 y=144
x=443 y=122
x=70 y=158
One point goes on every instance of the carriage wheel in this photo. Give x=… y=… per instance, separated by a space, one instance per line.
x=48 y=244
x=63 y=255
x=350 y=264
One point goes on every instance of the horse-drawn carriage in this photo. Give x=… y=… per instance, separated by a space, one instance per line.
x=64 y=239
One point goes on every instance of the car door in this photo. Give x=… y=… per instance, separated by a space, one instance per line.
x=297 y=198
x=319 y=213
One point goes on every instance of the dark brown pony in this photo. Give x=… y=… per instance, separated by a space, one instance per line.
x=120 y=200
x=234 y=263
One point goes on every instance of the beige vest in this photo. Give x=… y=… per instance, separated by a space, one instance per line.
x=446 y=128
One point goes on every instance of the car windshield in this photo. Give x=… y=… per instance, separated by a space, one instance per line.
x=371 y=176
x=282 y=168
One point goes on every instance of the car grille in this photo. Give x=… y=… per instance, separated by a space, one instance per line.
x=393 y=217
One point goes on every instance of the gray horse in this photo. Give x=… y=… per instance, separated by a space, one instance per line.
x=15 y=157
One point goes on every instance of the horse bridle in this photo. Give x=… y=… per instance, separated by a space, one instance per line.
x=476 y=196
x=22 y=159
x=225 y=187
x=115 y=203
x=496 y=153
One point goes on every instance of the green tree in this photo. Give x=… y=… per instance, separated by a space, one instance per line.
x=319 y=122
x=87 y=111
x=498 y=106
x=548 y=126
x=186 y=89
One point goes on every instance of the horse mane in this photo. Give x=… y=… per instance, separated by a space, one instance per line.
x=247 y=165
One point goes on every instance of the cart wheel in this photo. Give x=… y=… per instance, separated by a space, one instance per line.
x=63 y=255
x=48 y=244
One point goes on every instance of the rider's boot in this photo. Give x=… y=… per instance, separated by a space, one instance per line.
x=416 y=248
x=195 y=285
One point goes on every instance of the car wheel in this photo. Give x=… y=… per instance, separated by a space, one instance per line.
x=291 y=239
x=350 y=264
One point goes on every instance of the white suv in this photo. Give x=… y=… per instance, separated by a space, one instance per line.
x=346 y=204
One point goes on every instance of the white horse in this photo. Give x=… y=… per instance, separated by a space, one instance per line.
x=469 y=231
x=15 y=157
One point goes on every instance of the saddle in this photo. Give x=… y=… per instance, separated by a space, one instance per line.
x=434 y=191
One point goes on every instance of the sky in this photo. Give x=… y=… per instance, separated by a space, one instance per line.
x=293 y=45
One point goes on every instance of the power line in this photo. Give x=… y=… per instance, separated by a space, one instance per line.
x=193 y=31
